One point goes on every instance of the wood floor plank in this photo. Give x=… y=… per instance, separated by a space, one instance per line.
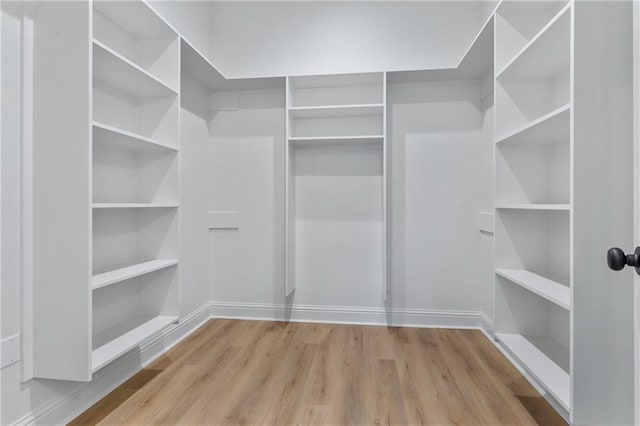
x=388 y=402
x=431 y=392
x=478 y=389
x=272 y=373
x=508 y=379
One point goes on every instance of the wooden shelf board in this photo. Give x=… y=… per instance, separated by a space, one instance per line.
x=544 y=54
x=538 y=359
x=135 y=205
x=357 y=110
x=551 y=127
x=525 y=206
x=122 y=344
x=121 y=274
x=548 y=286
x=113 y=136
x=117 y=71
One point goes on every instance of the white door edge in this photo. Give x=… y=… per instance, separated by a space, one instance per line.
x=636 y=202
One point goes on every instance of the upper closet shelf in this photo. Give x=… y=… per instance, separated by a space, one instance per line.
x=134 y=205
x=337 y=111
x=546 y=54
x=344 y=90
x=119 y=138
x=135 y=18
x=551 y=127
x=335 y=140
x=532 y=206
x=118 y=275
x=117 y=71
x=335 y=80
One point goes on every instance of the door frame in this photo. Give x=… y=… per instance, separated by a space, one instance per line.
x=636 y=202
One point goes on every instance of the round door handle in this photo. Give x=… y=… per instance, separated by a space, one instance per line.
x=617 y=259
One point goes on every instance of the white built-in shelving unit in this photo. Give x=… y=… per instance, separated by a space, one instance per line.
x=533 y=195
x=334 y=119
x=116 y=121
x=135 y=177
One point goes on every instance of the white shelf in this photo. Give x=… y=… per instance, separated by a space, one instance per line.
x=327 y=140
x=135 y=205
x=330 y=81
x=542 y=360
x=117 y=71
x=520 y=21
x=546 y=54
x=129 y=340
x=549 y=286
x=357 y=110
x=522 y=206
x=113 y=136
x=118 y=275
x=136 y=18
x=551 y=127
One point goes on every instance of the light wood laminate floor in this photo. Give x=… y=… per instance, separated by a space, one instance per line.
x=270 y=373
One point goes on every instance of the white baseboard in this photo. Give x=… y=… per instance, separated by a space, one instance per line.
x=84 y=395
x=354 y=315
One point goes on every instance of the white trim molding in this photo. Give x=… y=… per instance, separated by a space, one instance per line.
x=353 y=315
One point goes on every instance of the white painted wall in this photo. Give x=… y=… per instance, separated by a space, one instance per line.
x=442 y=157
x=338 y=219
x=442 y=166
x=246 y=163
x=192 y=19
x=276 y=38
x=194 y=191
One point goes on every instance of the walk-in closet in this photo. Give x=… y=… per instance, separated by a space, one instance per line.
x=312 y=212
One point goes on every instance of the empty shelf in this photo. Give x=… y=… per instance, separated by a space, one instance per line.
x=542 y=361
x=129 y=340
x=136 y=18
x=336 y=111
x=551 y=127
x=546 y=54
x=135 y=205
x=117 y=275
x=336 y=80
x=336 y=140
x=103 y=133
x=550 y=287
x=526 y=206
x=117 y=71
